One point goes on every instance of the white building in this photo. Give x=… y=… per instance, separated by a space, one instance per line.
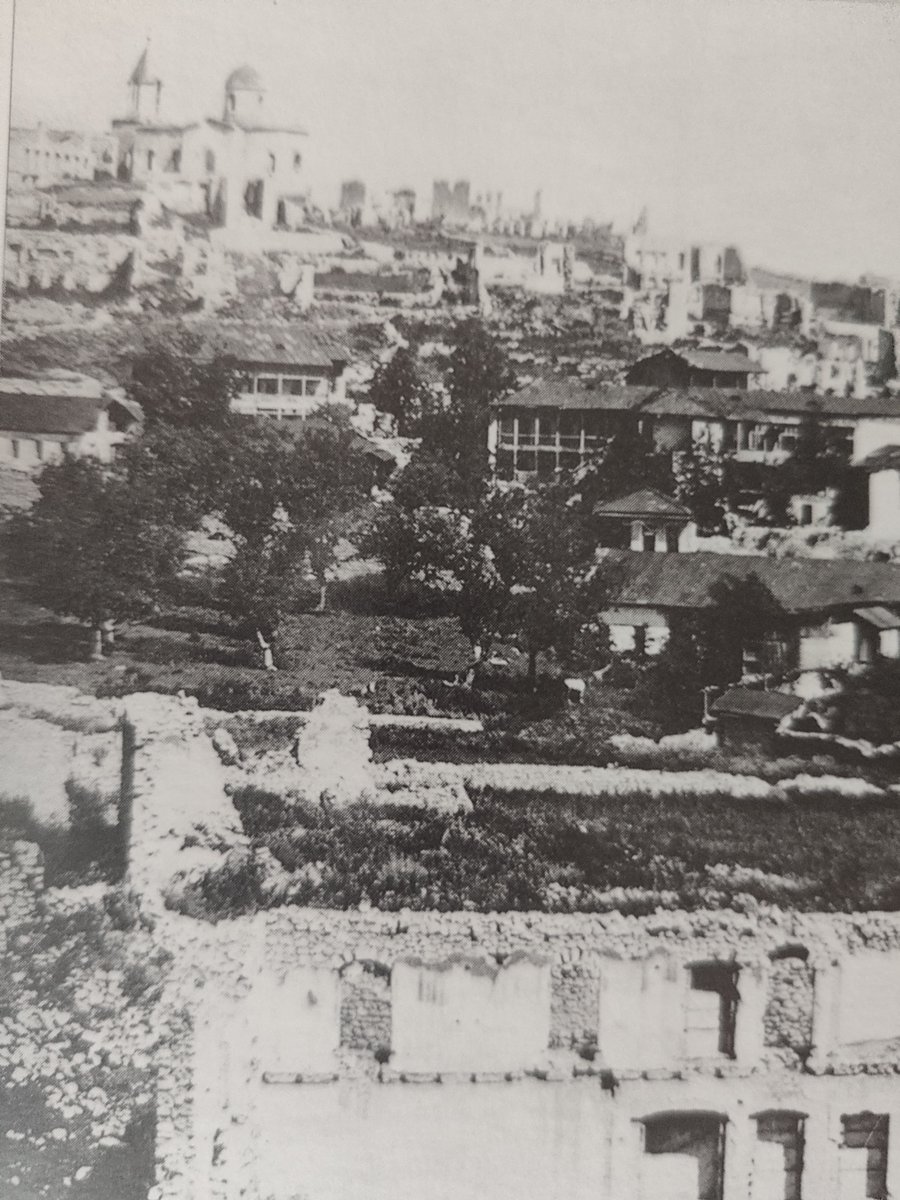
x=42 y=419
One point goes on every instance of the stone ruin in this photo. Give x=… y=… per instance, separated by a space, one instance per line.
x=333 y=753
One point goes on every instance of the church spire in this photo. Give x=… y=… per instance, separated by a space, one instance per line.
x=142 y=83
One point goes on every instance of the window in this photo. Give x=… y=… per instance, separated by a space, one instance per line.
x=298 y=162
x=697 y=1136
x=778 y=1160
x=862 y=1169
x=507 y=430
x=267 y=385
x=711 y=1010
x=209 y=160
x=527 y=431
x=175 y=162
x=15 y=447
x=271 y=164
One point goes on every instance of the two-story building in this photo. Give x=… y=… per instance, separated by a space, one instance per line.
x=555 y=424
x=286 y=371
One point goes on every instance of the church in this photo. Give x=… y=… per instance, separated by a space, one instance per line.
x=248 y=168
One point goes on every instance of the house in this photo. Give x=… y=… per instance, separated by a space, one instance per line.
x=555 y=423
x=747 y=719
x=42 y=157
x=286 y=370
x=41 y=419
x=837 y=612
x=883 y=468
x=645 y=520
x=694 y=368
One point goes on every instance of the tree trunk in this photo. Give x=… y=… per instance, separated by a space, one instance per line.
x=96 y=644
x=265 y=650
x=532 y=669
x=108 y=633
x=323 y=596
x=472 y=672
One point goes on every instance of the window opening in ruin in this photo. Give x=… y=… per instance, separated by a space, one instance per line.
x=863 y=1156
x=711 y=1010
x=150 y=157
x=698 y=1136
x=271 y=164
x=297 y=162
x=176 y=160
x=210 y=161
x=778 y=1161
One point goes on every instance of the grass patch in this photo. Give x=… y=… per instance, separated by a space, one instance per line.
x=544 y=853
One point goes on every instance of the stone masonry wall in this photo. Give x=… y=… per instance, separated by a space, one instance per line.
x=21 y=880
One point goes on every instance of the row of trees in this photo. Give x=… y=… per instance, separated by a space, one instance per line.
x=106 y=543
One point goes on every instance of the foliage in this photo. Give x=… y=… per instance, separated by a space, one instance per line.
x=398 y=389
x=626 y=462
x=701 y=479
x=545 y=852
x=706 y=649
x=96 y=545
x=181 y=384
x=869 y=706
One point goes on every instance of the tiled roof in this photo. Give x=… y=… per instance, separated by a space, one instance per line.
x=64 y=384
x=800 y=585
x=49 y=414
x=753 y=404
x=750 y=702
x=720 y=360
x=271 y=343
x=646 y=502
x=575 y=394
x=885 y=458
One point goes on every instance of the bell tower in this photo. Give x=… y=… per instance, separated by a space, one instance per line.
x=145 y=89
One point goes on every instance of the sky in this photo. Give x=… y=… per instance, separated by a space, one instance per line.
x=773 y=124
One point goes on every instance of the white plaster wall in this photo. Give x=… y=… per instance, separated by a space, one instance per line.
x=452 y=1141
x=642 y=1007
x=884 y=503
x=297 y=1019
x=872 y=433
x=467 y=1016
x=829 y=645
x=869 y=997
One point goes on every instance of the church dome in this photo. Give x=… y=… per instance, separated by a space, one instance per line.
x=244 y=79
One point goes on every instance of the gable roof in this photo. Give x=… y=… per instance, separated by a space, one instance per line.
x=49 y=414
x=800 y=585
x=276 y=344
x=754 y=404
x=646 y=502
x=720 y=360
x=750 y=702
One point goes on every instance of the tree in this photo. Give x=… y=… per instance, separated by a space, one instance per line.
x=288 y=496
x=178 y=382
x=96 y=546
x=398 y=389
x=626 y=462
x=701 y=477
x=456 y=430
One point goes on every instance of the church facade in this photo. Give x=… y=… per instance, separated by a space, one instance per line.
x=247 y=168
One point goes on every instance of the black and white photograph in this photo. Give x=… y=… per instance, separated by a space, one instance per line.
x=450 y=600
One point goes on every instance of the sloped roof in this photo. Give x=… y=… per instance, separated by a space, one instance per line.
x=244 y=79
x=271 y=343
x=885 y=458
x=49 y=414
x=577 y=395
x=750 y=702
x=799 y=585
x=878 y=617
x=646 y=502
x=141 y=76
x=720 y=360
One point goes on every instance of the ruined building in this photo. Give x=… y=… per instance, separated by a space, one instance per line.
x=246 y=168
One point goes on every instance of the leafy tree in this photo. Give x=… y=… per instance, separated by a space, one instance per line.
x=456 y=431
x=701 y=478
x=96 y=545
x=819 y=459
x=706 y=649
x=399 y=389
x=626 y=462
x=179 y=383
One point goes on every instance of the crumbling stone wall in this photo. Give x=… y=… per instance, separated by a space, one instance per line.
x=788 y=1018
x=366 y=1006
x=176 y=818
x=21 y=880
